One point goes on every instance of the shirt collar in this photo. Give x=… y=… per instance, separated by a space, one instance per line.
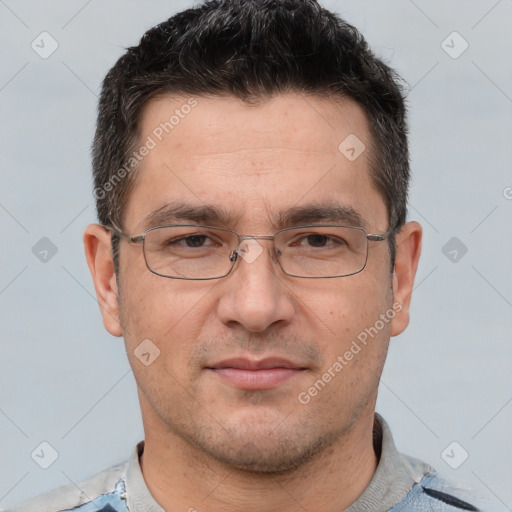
x=395 y=476
x=138 y=497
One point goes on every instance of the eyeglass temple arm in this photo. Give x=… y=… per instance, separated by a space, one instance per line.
x=114 y=229
x=382 y=236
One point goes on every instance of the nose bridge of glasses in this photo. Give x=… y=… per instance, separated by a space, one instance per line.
x=255 y=237
x=248 y=247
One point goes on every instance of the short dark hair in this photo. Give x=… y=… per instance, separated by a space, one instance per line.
x=250 y=49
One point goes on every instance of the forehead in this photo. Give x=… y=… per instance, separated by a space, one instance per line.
x=254 y=162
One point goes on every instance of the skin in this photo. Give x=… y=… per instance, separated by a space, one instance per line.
x=209 y=444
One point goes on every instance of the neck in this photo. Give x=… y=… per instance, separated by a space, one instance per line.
x=180 y=477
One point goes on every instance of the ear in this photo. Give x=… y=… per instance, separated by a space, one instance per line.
x=408 y=249
x=98 y=250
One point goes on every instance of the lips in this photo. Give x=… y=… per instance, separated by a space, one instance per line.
x=264 y=364
x=253 y=374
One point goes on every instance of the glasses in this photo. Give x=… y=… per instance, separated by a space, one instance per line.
x=192 y=251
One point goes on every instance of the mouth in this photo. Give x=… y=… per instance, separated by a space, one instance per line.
x=251 y=374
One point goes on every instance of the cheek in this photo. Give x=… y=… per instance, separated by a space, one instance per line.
x=352 y=302
x=167 y=312
x=349 y=315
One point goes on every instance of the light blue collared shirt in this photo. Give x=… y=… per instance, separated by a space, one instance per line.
x=400 y=484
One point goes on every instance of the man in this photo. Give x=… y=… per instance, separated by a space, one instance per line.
x=251 y=173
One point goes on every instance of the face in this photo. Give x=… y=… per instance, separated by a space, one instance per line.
x=258 y=370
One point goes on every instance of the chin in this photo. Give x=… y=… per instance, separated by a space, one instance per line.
x=265 y=451
x=260 y=460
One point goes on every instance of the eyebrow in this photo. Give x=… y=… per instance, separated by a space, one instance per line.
x=215 y=214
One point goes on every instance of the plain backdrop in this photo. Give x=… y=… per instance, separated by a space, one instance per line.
x=65 y=381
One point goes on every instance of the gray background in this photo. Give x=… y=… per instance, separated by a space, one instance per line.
x=66 y=381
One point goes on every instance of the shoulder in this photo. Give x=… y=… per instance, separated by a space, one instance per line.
x=435 y=494
x=105 y=491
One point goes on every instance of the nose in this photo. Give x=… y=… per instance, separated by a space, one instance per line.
x=256 y=293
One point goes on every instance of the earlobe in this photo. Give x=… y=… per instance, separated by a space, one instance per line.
x=408 y=249
x=98 y=250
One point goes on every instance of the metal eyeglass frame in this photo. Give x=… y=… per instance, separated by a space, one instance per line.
x=233 y=257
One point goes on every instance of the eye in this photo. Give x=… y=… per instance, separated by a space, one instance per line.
x=190 y=241
x=319 y=240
